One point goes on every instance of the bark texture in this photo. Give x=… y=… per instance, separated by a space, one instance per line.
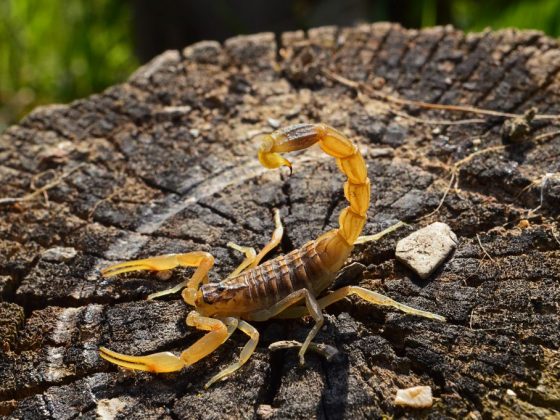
x=168 y=165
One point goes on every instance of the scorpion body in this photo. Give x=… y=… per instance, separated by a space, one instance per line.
x=264 y=285
x=278 y=287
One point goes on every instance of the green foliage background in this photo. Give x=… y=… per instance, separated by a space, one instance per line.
x=57 y=50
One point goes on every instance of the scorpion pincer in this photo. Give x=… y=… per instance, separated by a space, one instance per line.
x=288 y=286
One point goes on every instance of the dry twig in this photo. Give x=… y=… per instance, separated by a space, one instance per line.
x=454 y=180
x=43 y=189
x=454 y=108
x=483 y=249
x=109 y=197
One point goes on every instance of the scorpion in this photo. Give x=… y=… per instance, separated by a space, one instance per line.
x=288 y=286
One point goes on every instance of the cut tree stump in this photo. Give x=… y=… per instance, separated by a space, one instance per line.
x=165 y=162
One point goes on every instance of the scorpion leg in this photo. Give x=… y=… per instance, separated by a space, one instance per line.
x=368 y=295
x=220 y=331
x=375 y=298
x=379 y=235
x=251 y=258
x=312 y=307
x=246 y=353
x=202 y=260
x=250 y=255
x=274 y=241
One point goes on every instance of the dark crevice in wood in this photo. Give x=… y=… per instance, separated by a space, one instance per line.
x=333 y=204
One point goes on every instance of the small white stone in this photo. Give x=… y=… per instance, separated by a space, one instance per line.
x=164 y=274
x=194 y=132
x=381 y=152
x=511 y=393
x=415 y=397
x=426 y=249
x=109 y=409
x=59 y=254
x=274 y=123
x=265 y=412
x=182 y=109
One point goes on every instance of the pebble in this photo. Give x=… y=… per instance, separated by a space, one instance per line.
x=180 y=110
x=59 y=254
x=381 y=152
x=426 y=249
x=274 y=123
x=511 y=393
x=415 y=397
x=265 y=411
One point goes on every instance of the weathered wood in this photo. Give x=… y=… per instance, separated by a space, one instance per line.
x=169 y=165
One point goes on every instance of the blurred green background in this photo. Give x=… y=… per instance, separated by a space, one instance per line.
x=56 y=50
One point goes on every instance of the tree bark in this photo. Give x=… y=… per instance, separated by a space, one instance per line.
x=165 y=162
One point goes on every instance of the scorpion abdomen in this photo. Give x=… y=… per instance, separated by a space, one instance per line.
x=273 y=280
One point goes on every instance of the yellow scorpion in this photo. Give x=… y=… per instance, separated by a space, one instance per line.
x=288 y=286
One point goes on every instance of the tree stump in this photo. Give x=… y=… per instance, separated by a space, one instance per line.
x=165 y=162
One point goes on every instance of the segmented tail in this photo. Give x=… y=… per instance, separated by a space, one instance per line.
x=335 y=245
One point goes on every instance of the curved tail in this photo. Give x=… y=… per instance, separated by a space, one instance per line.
x=336 y=245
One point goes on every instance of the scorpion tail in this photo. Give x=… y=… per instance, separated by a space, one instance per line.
x=336 y=244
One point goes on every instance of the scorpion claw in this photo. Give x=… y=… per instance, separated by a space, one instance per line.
x=159 y=263
x=113 y=270
x=157 y=362
x=149 y=264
